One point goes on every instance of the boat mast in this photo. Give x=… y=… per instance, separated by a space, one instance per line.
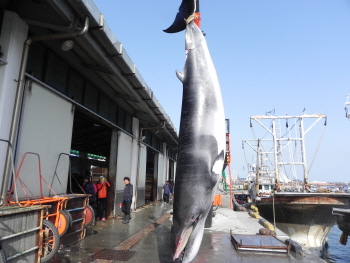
x=303 y=157
x=278 y=140
x=275 y=147
x=257 y=167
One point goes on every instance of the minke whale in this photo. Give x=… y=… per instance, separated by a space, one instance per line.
x=186 y=9
x=201 y=147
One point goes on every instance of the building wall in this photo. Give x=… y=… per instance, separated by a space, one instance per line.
x=13 y=34
x=47 y=136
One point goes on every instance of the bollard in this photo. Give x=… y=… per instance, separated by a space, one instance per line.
x=209 y=221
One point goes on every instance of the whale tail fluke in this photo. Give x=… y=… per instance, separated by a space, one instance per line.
x=178 y=25
x=186 y=9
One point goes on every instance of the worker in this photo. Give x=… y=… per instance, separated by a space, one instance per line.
x=102 y=198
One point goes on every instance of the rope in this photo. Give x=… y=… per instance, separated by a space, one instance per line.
x=317 y=149
x=253 y=132
x=274 y=213
x=48 y=185
x=56 y=175
x=78 y=184
x=246 y=162
x=58 y=181
x=29 y=202
x=290 y=128
x=265 y=135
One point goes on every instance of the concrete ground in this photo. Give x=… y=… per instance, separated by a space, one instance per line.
x=149 y=240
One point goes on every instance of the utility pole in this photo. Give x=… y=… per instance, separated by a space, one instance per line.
x=197 y=19
x=228 y=157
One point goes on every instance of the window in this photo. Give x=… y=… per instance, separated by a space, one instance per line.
x=121 y=118
x=103 y=108
x=147 y=135
x=90 y=97
x=128 y=123
x=112 y=115
x=57 y=72
x=76 y=87
x=36 y=61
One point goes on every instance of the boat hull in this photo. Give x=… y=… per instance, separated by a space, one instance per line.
x=306 y=217
x=343 y=219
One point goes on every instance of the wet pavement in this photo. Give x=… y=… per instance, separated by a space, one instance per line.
x=147 y=239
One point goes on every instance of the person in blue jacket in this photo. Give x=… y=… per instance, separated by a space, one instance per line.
x=166 y=193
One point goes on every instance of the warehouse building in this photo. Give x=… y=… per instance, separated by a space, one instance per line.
x=70 y=93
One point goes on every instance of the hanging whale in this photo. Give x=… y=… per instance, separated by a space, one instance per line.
x=200 y=149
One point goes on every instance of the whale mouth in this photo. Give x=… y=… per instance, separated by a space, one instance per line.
x=182 y=243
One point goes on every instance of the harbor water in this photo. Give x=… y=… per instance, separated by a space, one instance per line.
x=336 y=252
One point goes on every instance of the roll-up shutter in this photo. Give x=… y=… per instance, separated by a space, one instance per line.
x=45 y=129
x=124 y=160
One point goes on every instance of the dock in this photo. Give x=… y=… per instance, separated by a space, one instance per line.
x=147 y=239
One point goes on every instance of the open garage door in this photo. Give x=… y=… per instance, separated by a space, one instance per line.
x=151 y=176
x=91 y=144
x=45 y=129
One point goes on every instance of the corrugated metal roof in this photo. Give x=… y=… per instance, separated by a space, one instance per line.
x=103 y=53
x=118 y=54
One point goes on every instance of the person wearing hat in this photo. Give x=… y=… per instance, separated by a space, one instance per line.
x=127 y=200
x=102 y=198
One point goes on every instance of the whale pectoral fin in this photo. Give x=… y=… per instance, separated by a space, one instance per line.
x=218 y=164
x=180 y=76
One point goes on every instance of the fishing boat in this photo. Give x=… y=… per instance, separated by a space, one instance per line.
x=294 y=207
x=343 y=215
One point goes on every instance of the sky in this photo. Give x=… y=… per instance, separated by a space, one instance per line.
x=282 y=55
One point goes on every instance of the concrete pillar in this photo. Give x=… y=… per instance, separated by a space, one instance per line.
x=162 y=172
x=155 y=176
x=167 y=167
x=112 y=174
x=14 y=32
x=165 y=162
x=134 y=158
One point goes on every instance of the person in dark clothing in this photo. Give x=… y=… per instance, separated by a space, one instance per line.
x=166 y=193
x=171 y=182
x=89 y=189
x=127 y=200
